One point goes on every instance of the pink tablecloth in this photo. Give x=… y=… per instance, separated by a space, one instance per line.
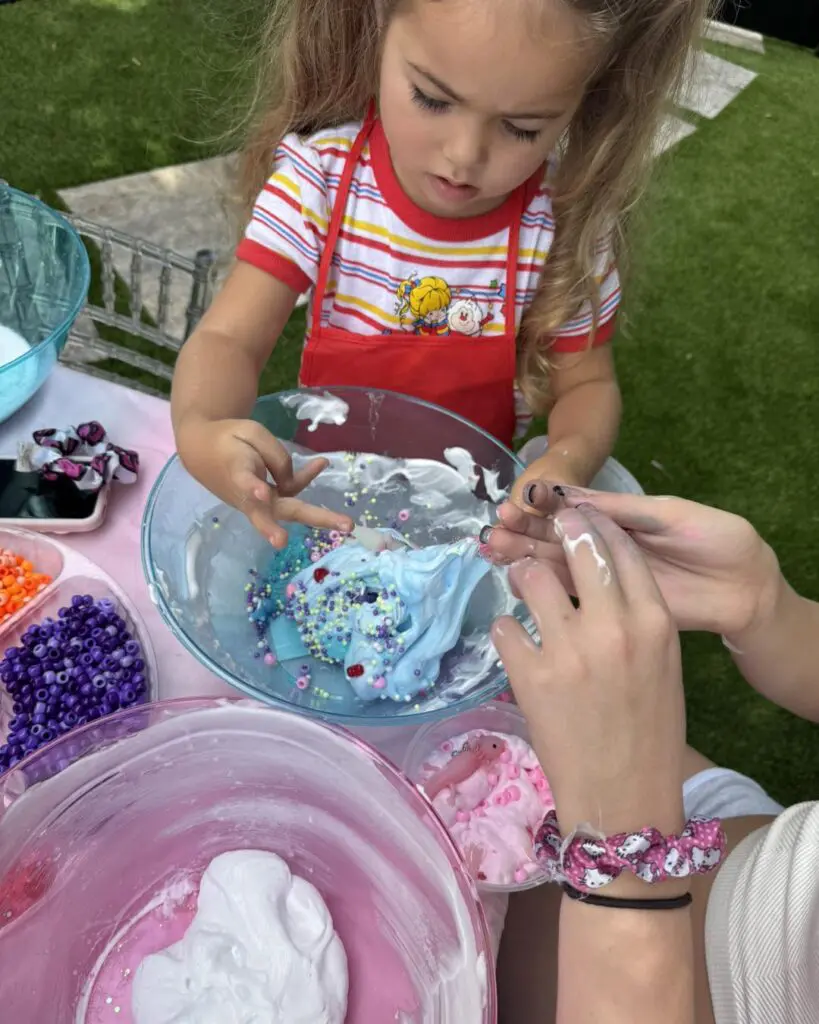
x=132 y=420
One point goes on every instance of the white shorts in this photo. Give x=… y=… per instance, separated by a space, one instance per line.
x=762 y=925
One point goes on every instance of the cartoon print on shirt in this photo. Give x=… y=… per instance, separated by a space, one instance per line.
x=426 y=305
x=465 y=316
x=424 y=302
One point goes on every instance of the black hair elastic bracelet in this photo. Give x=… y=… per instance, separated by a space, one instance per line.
x=622 y=903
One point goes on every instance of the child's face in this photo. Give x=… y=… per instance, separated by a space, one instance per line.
x=474 y=95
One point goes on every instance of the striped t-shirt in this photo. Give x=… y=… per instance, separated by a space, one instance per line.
x=397 y=267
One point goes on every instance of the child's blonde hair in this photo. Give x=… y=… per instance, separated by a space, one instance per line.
x=319 y=68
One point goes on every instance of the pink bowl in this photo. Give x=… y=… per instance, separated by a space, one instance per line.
x=154 y=793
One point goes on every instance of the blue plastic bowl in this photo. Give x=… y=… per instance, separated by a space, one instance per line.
x=44 y=278
x=197 y=553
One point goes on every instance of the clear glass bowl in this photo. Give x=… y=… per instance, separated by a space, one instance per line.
x=495 y=717
x=44 y=278
x=131 y=809
x=197 y=552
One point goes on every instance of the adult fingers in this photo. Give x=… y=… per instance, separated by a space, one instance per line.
x=537 y=584
x=635 y=577
x=516 y=649
x=641 y=513
x=589 y=561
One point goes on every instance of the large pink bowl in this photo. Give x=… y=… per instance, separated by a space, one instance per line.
x=100 y=822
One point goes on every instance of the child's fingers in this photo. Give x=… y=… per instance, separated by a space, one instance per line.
x=261 y=517
x=540 y=496
x=516 y=520
x=305 y=476
x=512 y=547
x=295 y=511
x=271 y=451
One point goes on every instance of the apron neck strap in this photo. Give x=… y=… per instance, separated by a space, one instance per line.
x=512 y=254
x=339 y=208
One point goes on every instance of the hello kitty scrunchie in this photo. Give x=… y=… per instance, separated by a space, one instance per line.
x=588 y=862
x=82 y=454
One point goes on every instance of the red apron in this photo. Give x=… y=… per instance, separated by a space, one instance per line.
x=471 y=376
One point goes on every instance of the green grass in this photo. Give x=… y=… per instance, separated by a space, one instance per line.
x=719 y=352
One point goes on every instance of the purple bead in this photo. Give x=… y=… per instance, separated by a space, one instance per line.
x=105 y=604
x=70 y=719
x=87 y=689
x=112 y=698
x=46 y=736
x=37 y=729
x=41 y=693
x=139 y=664
x=49 y=677
x=63 y=612
x=127 y=695
x=109 y=663
x=39 y=707
x=53 y=654
x=89 y=644
x=31 y=743
x=34 y=671
x=62 y=679
x=69 y=700
x=132 y=648
x=52 y=643
x=96 y=633
x=77 y=601
x=127 y=661
x=137 y=679
x=39 y=718
x=68 y=664
x=93 y=714
x=52 y=724
x=99 y=683
x=82 y=720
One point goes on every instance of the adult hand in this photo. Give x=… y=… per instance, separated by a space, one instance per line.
x=233 y=458
x=713 y=569
x=602 y=692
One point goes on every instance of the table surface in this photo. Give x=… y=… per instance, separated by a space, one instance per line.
x=132 y=420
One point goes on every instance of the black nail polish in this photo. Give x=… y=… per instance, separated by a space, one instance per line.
x=529 y=493
x=485 y=534
x=559 y=491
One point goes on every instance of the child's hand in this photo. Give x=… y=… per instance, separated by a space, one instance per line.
x=232 y=458
x=713 y=569
x=550 y=466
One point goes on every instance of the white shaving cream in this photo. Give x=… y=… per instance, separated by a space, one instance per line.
x=318 y=409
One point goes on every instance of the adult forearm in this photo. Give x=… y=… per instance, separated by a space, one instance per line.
x=583 y=427
x=779 y=652
x=213 y=380
x=621 y=965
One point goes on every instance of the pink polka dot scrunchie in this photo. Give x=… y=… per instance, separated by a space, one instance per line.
x=589 y=862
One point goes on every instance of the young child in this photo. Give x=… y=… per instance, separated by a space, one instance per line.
x=449 y=180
